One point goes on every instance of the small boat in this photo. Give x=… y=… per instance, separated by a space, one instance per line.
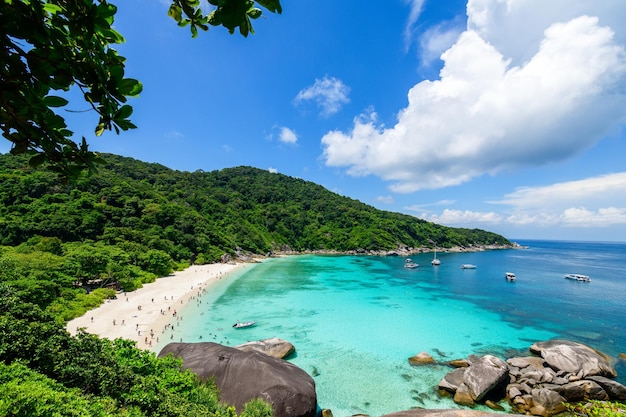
x=578 y=277
x=408 y=263
x=435 y=261
x=241 y=325
x=510 y=276
x=468 y=266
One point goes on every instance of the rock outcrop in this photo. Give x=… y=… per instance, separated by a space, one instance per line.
x=275 y=347
x=574 y=358
x=563 y=372
x=422 y=358
x=243 y=376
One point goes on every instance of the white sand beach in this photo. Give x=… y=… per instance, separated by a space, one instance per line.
x=142 y=315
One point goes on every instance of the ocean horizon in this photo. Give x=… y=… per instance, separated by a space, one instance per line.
x=356 y=319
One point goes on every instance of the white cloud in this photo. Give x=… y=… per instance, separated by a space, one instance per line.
x=385 y=199
x=417 y=207
x=273 y=170
x=458 y=217
x=604 y=217
x=287 y=136
x=414 y=14
x=526 y=84
x=329 y=93
x=604 y=190
x=437 y=39
x=588 y=203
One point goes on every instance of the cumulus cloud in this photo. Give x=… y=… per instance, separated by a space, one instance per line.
x=329 y=93
x=287 y=135
x=591 y=192
x=273 y=170
x=588 y=203
x=527 y=83
x=455 y=217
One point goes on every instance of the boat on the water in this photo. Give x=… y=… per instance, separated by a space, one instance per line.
x=468 y=266
x=578 y=277
x=435 y=261
x=510 y=276
x=241 y=325
x=408 y=263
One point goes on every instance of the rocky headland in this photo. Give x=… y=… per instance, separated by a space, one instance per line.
x=558 y=372
x=554 y=373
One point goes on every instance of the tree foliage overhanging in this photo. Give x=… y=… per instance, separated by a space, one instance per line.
x=48 y=47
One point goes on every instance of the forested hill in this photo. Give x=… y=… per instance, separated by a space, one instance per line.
x=202 y=215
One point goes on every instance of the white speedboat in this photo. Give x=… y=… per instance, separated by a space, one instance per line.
x=408 y=263
x=578 y=277
x=468 y=266
x=241 y=325
x=510 y=276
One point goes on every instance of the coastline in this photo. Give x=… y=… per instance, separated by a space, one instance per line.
x=143 y=314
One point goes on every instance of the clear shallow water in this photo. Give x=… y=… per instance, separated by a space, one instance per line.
x=355 y=320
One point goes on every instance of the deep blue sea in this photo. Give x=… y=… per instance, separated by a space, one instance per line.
x=355 y=320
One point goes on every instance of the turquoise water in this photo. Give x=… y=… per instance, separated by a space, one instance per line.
x=355 y=320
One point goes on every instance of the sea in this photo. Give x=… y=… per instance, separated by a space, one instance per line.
x=355 y=320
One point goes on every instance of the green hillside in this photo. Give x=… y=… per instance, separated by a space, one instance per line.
x=204 y=214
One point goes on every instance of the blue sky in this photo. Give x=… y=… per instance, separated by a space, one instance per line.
x=505 y=115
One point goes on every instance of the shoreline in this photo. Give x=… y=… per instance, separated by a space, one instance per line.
x=143 y=314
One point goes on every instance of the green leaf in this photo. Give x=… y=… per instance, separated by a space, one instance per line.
x=254 y=13
x=215 y=19
x=175 y=12
x=99 y=129
x=130 y=87
x=106 y=9
x=52 y=8
x=37 y=160
x=124 y=112
x=271 y=5
x=54 y=101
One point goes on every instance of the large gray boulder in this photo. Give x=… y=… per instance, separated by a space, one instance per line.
x=574 y=358
x=244 y=376
x=545 y=402
x=616 y=391
x=484 y=374
x=581 y=391
x=452 y=380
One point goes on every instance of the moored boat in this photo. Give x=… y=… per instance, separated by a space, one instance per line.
x=510 y=276
x=468 y=266
x=578 y=277
x=408 y=263
x=435 y=261
x=241 y=325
